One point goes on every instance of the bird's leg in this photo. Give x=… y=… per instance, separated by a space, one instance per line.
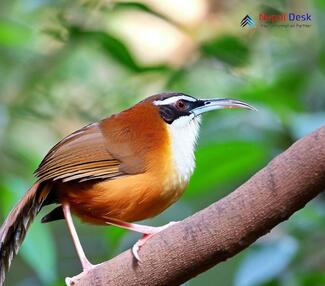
x=86 y=265
x=147 y=231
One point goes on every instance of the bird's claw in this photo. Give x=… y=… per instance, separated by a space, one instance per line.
x=68 y=281
x=137 y=246
x=135 y=252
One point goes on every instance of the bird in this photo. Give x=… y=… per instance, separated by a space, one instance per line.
x=125 y=168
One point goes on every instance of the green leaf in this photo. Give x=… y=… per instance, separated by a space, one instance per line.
x=115 y=48
x=312 y=278
x=38 y=249
x=320 y=4
x=281 y=95
x=13 y=34
x=131 y=5
x=227 y=48
x=223 y=162
x=115 y=235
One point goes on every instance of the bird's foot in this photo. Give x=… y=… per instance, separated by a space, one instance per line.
x=86 y=265
x=71 y=281
x=147 y=231
x=137 y=246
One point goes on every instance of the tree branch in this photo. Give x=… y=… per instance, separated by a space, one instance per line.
x=226 y=227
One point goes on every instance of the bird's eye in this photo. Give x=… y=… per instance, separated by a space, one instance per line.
x=181 y=105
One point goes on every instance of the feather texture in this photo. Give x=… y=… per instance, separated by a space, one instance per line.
x=81 y=156
x=13 y=230
x=125 y=167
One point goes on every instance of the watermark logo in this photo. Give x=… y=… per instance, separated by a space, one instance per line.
x=247 y=21
x=280 y=20
x=286 y=20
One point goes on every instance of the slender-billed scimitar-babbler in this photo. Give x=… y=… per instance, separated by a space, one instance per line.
x=124 y=168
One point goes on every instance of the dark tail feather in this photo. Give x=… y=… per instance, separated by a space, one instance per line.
x=14 y=228
x=55 y=214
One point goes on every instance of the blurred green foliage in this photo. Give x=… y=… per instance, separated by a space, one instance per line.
x=67 y=63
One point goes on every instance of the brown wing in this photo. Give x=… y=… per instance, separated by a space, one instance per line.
x=81 y=156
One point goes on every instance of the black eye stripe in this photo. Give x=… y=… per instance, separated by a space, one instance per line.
x=173 y=111
x=167 y=113
x=182 y=107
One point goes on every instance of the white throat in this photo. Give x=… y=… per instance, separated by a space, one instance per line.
x=184 y=132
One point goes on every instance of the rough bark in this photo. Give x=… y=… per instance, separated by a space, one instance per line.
x=226 y=227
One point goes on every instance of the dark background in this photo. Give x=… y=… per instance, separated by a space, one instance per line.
x=64 y=64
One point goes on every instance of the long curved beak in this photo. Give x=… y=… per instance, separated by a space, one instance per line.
x=220 y=103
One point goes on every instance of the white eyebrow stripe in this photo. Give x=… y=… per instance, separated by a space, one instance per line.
x=173 y=99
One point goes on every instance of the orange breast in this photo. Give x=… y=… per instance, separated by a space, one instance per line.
x=131 y=197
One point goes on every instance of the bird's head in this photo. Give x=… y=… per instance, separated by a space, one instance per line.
x=181 y=115
x=179 y=109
